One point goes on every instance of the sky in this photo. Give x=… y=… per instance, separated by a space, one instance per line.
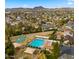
x=34 y=3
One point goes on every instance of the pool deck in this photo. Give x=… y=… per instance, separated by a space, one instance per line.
x=30 y=37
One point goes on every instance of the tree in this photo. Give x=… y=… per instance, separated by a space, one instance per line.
x=56 y=51
x=9 y=49
x=53 y=36
x=62 y=40
x=48 y=54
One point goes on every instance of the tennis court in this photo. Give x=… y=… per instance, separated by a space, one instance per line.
x=21 y=39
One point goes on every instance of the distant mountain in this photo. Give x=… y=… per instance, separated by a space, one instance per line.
x=39 y=7
x=35 y=9
x=17 y=9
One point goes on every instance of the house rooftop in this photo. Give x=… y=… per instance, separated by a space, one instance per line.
x=29 y=50
x=17 y=45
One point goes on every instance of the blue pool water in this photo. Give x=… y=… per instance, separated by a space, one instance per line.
x=38 y=42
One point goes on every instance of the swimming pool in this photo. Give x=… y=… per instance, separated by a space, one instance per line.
x=38 y=42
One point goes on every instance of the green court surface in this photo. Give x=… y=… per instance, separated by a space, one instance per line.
x=21 y=39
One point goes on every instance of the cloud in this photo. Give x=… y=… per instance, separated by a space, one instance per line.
x=24 y=6
x=70 y=2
